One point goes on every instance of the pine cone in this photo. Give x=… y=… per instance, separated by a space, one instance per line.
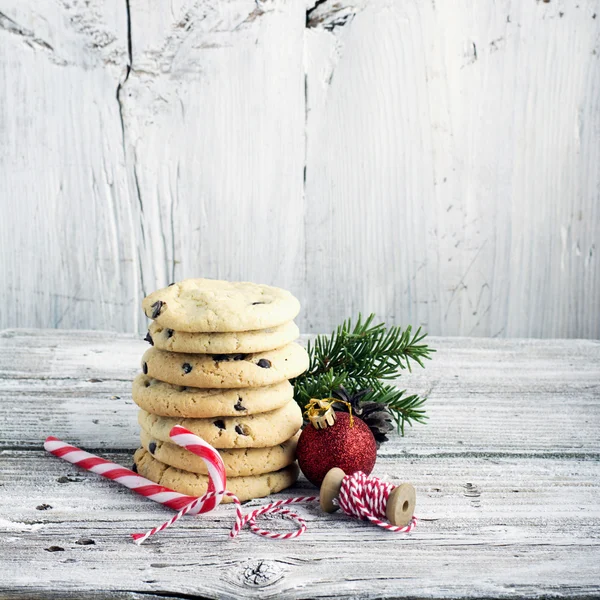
x=375 y=414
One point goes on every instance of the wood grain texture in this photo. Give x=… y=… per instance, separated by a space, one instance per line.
x=507 y=473
x=67 y=253
x=482 y=534
x=434 y=163
x=452 y=167
x=83 y=384
x=160 y=142
x=214 y=125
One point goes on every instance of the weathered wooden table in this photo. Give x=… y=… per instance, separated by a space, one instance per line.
x=507 y=476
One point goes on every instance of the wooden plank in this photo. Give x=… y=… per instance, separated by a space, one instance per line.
x=451 y=176
x=143 y=144
x=524 y=397
x=490 y=528
x=213 y=110
x=64 y=235
x=507 y=474
x=450 y=172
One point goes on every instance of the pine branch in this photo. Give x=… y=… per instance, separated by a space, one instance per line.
x=317 y=386
x=368 y=351
x=362 y=356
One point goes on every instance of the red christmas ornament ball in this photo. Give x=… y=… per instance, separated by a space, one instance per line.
x=339 y=445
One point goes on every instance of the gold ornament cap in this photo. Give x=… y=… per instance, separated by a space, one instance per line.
x=320 y=413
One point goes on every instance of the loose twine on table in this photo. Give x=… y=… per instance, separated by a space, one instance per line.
x=360 y=496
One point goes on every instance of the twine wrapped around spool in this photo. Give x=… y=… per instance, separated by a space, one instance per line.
x=373 y=499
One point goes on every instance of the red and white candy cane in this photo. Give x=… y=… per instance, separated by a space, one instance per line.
x=120 y=474
x=217 y=480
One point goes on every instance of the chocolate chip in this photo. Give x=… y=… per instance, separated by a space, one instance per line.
x=221 y=357
x=134 y=468
x=148 y=339
x=263 y=363
x=145 y=368
x=240 y=429
x=85 y=542
x=238 y=405
x=255 y=303
x=187 y=368
x=220 y=424
x=170 y=284
x=169 y=333
x=152 y=447
x=147 y=383
x=43 y=507
x=157 y=308
x=239 y=356
x=54 y=549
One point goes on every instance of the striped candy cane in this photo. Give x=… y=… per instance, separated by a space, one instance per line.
x=115 y=472
x=217 y=482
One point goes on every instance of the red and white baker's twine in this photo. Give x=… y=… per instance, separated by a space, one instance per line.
x=359 y=496
x=366 y=498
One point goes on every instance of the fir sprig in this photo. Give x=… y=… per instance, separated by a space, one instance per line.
x=404 y=409
x=365 y=356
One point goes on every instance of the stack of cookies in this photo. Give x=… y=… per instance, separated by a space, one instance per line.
x=222 y=354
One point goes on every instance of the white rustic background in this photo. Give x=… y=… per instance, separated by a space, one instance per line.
x=434 y=161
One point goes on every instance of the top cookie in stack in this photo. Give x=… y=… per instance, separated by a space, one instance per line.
x=222 y=356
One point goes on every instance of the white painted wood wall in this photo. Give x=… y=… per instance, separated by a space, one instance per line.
x=436 y=162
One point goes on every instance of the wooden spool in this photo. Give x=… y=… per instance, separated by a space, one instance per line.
x=400 y=505
x=330 y=489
